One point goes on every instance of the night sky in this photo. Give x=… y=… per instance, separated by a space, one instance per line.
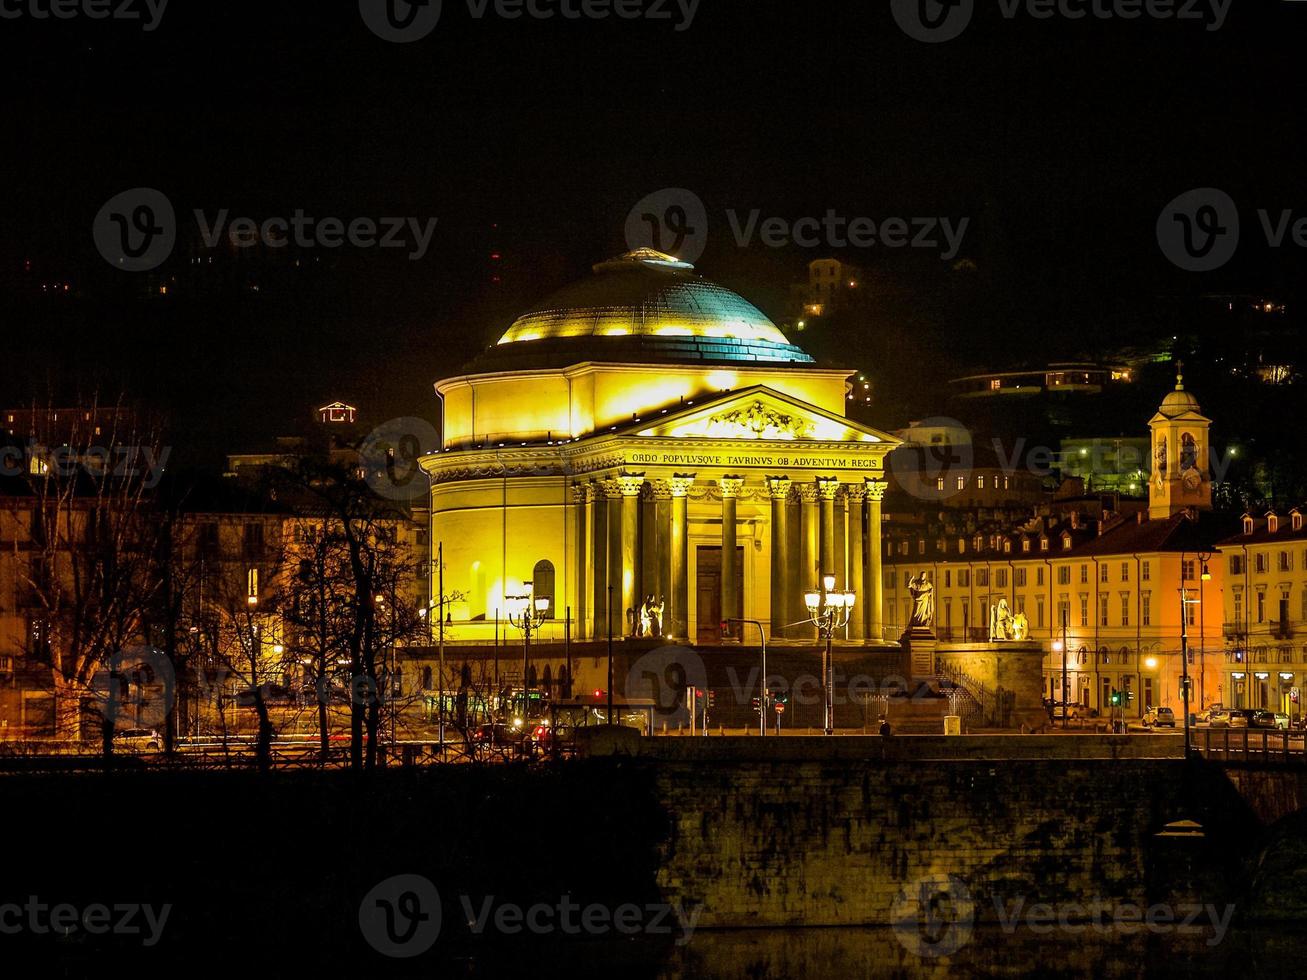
x=1061 y=140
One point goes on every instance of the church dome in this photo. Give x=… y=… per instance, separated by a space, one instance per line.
x=1179 y=401
x=645 y=305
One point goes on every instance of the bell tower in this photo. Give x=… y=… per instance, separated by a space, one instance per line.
x=1181 y=463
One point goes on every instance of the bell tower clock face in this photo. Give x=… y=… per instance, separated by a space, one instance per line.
x=1191 y=479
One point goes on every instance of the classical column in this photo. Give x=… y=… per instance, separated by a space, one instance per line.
x=809 y=572
x=856 y=497
x=875 y=576
x=779 y=489
x=629 y=485
x=730 y=492
x=601 y=492
x=655 y=521
x=676 y=616
x=827 y=488
x=583 y=495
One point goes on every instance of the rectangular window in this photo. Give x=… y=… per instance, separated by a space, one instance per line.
x=1238 y=608
x=1084 y=609
x=1190 y=614
x=1102 y=609
x=1102 y=572
x=1286 y=561
x=1261 y=607
x=1063 y=612
x=1039 y=575
x=1146 y=571
x=1236 y=564
x=982 y=577
x=1064 y=575
x=1125 y=608
x=980 y=483
x=1000 y=578
x=1146 y=612
x=1084 y=574
x=948 y=612
x=948 y=578
x=1259 y=563
x=962 y=483
x=964 y=577
x=1125 y=571
x=939 y=483
x=966 y=612
x=1020 y=576
x=1039 y=611
x=1187 y=570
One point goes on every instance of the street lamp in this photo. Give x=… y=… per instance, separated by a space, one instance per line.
x=1059 y=646
x=1184 y=657
x=526 y=614
x=829 y=611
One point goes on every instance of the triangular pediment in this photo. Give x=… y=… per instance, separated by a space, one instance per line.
x=759 y=413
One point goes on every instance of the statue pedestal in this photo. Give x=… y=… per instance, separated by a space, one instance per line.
x=919 y=647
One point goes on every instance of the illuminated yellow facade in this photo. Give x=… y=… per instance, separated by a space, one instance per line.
x=625 y=435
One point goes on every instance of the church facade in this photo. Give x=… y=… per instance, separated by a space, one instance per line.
x=647 y=453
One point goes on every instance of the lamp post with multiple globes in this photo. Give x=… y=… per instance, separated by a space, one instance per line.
x=527 y=614
x=829 y=611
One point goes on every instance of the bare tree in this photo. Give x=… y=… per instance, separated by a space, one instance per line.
x=87 y=571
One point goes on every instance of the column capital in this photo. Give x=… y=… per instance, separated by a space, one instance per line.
x=778 y=487
x=730 y=485
x=657 y=490
x=876 y=490
x=680 y=484
x=582 y=492
x=807 y=492
x=608 y=488
x=629 y=484
x=856 y=494
x=828 y=487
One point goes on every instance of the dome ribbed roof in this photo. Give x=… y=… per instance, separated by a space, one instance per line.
x=1179 y=401
x=649 y=302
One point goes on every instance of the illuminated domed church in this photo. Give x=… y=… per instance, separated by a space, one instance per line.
x=645 y=449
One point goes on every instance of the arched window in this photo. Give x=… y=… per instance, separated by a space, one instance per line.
x=531 y=677
x=547 y=679
x=1188 y=452
x=564 y=682
x=542 y=584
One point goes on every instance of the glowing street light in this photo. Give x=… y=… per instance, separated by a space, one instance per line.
x=829 y=611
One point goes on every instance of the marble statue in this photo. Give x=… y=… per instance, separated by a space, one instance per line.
x=923 y=596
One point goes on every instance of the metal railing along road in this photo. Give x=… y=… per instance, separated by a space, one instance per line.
x=1263 y=745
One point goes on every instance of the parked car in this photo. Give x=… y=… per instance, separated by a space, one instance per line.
x=1073 y=709
x=1270 y=719
x=1228 y=718
x=1204 y=717
x=138 y=740
x=1159 y=717
x=500 y=738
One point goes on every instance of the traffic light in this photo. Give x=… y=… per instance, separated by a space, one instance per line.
x=1129 y=697
x=757 y=704
x=712 y=698
x=1115 y=699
